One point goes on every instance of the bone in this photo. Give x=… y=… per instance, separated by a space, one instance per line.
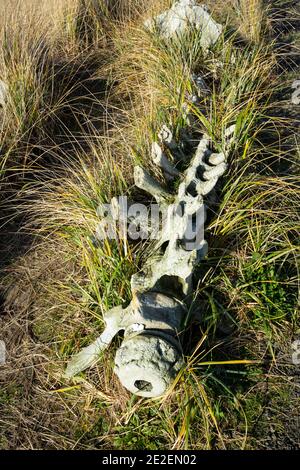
x=165 y=135
x=146 y=182
x=205 y=187
x=184 y=15
x=178 y=260
x=160 y=159
x=217 y=158
x=229 y=131
x=229 y=135
x=215 y=172
x=147 y=365
x=90 y=355
x=3 y=94
x=150 y=355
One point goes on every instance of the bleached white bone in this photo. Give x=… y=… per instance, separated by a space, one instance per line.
x=165 y=135
x=183 y=15
x=160 y=159
x=149 y=184
x=3 y=93
x=145 y=363
x=177 y=260
x=90 y=355
x=150 y=356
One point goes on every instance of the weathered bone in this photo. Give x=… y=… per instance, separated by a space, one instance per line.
x=150 y=355
x=183 y=15
x=3 y=94
x=146 y=182
x=90 y=355
x=177 y=260
x=160 y=159
x=165 y=135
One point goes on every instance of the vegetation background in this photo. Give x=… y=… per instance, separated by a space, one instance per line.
x=88 y=87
